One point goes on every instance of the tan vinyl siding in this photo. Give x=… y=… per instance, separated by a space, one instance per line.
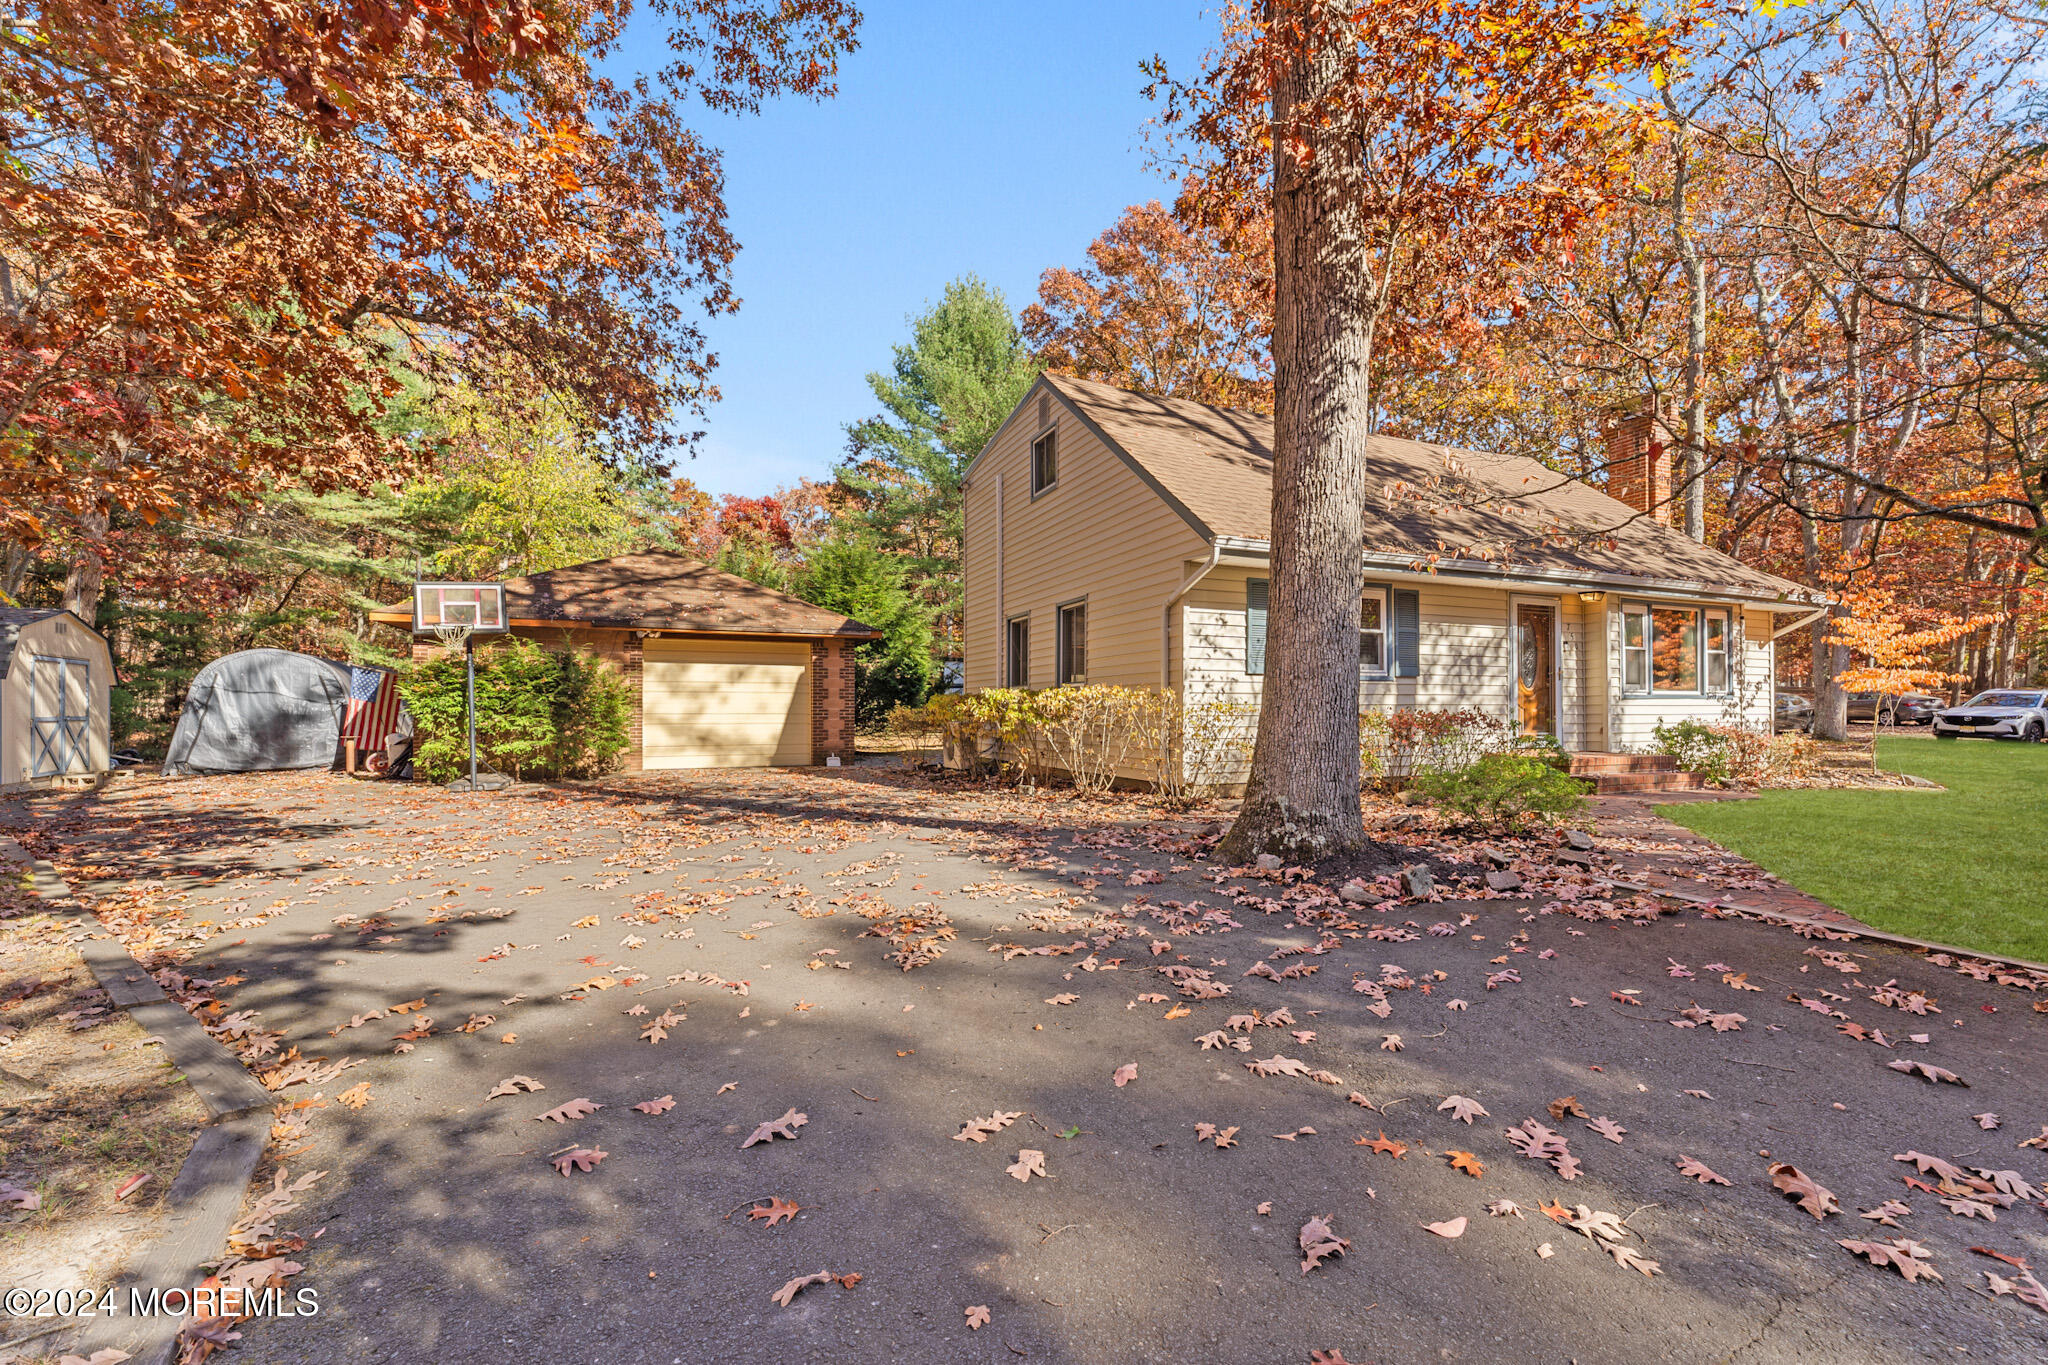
x=1099 y=534
x=1462 y=650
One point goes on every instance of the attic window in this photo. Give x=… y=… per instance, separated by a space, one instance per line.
x=1045 y=470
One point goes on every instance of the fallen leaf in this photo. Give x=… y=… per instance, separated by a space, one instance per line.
x=1888 y=1213
x=512 y=1085
x=1932 y=1073
x=1567 y=1105
x=1125 y=1074
x=1986 y=1121
x=1454 y=1228
x=574 y=1109
x=1029 y=1162
x=1384 y=1144
x=1696 y=1170
x=1908 y=1257
x=1812 y=1196
x=581 y=1158
x=1065 y=999
x=1506 y=1208
x=356 y=1096
x=776 y=1210
x=979 y=1130
x=1264 y=1208
x=1607 y=1128
x=2026 y=1287
x=1319 y=1241
x=797 y=1285
x=660 y=1106
x=784 y=1127
x=1391 y=1043
x=1466 y=1162
x=977 y=1317
x=1462 y=1109
x=1222 y=1137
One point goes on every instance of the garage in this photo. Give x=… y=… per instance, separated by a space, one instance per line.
x=711 y=703
x=725 y=673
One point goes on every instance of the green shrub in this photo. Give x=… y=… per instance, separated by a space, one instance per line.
x=539 y=713
x=1699 y=748
x=1543 y=747
x=1504 y=790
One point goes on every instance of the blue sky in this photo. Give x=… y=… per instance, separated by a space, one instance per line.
x=996 y=139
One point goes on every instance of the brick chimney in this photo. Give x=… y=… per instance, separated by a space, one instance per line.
x=1639 y=445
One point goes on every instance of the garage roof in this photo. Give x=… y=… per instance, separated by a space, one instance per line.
x=658 y=590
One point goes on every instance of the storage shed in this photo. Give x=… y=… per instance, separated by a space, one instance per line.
x=55 y=676
x=725 y=673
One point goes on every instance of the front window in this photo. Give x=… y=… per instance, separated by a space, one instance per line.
x=1074 y=643
x=2025 y=700
x=1372 y=632
x=1635 y=649
x=1677 y=649
x=1674 y=649
x=1717 y=651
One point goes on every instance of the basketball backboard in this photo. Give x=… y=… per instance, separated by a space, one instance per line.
x=479 y=606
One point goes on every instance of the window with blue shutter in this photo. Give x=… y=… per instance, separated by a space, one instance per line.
x=1407 y=633
x=1255 y=625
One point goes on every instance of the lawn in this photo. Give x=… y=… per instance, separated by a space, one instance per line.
x=1967 y=866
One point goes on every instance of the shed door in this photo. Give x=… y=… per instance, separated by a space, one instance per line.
x=59 y=712
x=725 y=704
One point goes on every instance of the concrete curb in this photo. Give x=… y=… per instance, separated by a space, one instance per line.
x=1856 y=928
x=207 y=1194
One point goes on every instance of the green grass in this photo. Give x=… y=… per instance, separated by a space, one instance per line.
x=1968 y=866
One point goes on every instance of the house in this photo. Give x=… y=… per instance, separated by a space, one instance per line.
x=1118 y=537
x=56 y=675
x=724 y=672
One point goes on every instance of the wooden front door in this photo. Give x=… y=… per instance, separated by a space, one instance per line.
x=1536 y=667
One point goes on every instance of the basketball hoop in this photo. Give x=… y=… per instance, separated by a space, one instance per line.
x=455 y=613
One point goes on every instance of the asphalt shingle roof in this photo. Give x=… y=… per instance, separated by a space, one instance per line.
x=1426 y=502
x=658 y=590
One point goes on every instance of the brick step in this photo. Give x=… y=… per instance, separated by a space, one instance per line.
x=1615 y=784
x=1593 y=764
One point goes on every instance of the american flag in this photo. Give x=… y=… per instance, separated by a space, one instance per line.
x=372 y=707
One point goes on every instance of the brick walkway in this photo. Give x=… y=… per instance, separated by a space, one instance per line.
x=1650 y=849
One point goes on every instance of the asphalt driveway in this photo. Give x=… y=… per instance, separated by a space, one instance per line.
x=752 y=918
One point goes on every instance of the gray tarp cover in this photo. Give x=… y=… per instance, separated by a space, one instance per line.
x=261 y=708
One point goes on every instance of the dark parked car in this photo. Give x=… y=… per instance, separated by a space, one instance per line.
x=2005 y=713
x=1793 y=712
x=1914 y=708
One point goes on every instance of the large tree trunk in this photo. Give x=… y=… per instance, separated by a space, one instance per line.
x=1692 y=499
x=88 y=574
x=1302 y=798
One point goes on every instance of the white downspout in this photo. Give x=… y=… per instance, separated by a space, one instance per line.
x=1166 y=614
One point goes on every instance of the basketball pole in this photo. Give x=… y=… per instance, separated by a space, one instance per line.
x=469 y=689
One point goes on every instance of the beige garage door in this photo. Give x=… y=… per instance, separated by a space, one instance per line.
x=725 y=704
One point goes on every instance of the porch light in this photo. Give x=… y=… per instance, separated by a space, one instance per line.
x=1592 y=597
